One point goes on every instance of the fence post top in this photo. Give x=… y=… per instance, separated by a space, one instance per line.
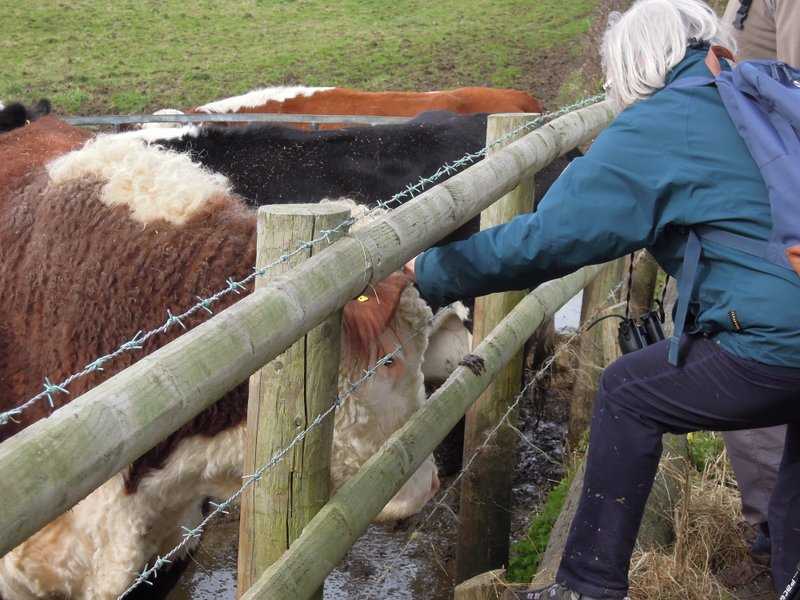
x=326 y=208
x=514 y=114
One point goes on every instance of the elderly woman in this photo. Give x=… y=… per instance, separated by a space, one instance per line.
x=671 y=160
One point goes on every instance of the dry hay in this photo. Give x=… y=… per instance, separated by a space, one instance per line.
x=708 y=539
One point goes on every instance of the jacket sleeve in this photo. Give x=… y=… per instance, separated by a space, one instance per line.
x=604 y=205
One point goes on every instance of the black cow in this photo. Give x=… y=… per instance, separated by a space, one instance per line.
x=274 y=164
x=16 y=115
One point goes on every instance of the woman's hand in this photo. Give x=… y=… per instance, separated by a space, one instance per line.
x=409 y=267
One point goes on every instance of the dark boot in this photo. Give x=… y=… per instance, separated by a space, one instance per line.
x=552 y=592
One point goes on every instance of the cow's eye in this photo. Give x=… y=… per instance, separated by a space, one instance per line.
x=388 y=362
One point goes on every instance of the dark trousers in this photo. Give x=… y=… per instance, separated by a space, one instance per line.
x=641 y=397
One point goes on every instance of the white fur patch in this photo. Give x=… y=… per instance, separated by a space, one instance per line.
x=449 y=341
x=153 y=182
x=2 y=106
x=94 y=551
x=163 y=111
x=258 y=98
x=163 y=131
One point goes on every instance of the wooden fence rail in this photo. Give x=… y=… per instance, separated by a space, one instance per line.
x=59 y=460
x=331 y=533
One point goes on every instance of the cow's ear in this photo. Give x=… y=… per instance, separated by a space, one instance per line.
x=367 y=317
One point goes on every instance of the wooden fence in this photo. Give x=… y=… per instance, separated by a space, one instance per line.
x=57 y=461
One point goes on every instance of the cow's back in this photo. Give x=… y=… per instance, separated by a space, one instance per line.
x=269 y=164
x=347 y=101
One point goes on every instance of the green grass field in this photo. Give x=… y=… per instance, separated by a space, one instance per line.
x=103 y=56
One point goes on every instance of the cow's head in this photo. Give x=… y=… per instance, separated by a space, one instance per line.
x=387 y=315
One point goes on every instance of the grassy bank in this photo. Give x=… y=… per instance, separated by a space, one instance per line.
x=108 y=56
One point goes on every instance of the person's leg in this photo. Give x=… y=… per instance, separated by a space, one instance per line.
x=757 y=40
x=640 y=398
x=784 y=512
x=755 y=457
x=787 y=25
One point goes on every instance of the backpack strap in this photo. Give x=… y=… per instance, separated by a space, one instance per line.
x=686 y=281
x=715 y=53
x=741 y=14
x=732 y=240
x=688 y=274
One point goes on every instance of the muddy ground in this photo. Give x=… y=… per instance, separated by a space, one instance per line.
x=388 y=562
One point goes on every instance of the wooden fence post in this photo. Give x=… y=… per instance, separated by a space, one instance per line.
x=485 y=515
x=644 y=283
x=285 y=396
x=596 y=348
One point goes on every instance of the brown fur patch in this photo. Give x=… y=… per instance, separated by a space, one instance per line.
x=81 y=278
x=365 y=321
x=346 y=101
x=24 y=150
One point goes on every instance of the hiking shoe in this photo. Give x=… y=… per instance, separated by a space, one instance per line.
x=761 y=549
x=553 y=592
x=755 y=564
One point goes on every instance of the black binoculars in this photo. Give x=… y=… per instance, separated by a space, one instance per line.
x=635 y=334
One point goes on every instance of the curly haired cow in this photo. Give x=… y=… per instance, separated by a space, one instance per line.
x=97 y=244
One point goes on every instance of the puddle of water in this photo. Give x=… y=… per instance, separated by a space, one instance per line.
x=211 y=572
x=569 y=315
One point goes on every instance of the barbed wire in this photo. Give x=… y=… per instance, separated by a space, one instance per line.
x=235 y=287
x=222 y=507
x=503 y=420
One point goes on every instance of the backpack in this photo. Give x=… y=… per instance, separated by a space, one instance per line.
x=762 y=98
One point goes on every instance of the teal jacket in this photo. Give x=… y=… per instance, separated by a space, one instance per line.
x=667 y=162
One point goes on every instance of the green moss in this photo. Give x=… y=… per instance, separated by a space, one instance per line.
x=104 y=55
x=527 y=552
x=705 y=448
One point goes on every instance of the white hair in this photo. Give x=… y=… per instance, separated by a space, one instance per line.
x=642 y=45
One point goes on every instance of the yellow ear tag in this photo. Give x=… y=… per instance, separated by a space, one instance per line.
x=362 y=298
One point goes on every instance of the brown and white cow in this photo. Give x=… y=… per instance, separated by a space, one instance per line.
x=98 y=240
x=346 y=101
x=299 y=100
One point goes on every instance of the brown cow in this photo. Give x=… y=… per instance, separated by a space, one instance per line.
x=345 y=101
x=97 y=244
